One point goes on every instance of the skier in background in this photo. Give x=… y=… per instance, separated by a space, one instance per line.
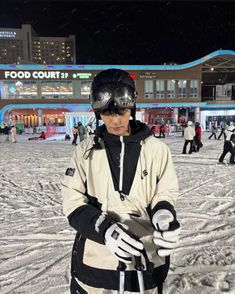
x=13 y=133
x=119 y=193
x=81 y=131
x=198 y=137
x=213 y=132
x=75 y=134
x=229 y=147
x=222 y=130
x=189 y=134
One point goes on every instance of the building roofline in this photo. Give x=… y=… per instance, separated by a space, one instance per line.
x=124 y=67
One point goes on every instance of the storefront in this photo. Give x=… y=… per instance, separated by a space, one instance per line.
x=37 y=95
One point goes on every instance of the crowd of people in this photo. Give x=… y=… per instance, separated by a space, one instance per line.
x=81 y=132
x=192 y=136
x=9 y=131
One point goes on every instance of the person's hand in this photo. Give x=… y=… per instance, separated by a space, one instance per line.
x=122 y=243
x=167 y=231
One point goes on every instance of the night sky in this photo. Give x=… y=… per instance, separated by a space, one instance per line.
x=118 y=32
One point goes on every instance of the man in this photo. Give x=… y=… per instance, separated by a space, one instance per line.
x=119 y=193
x=229 y=147
x=222 y=130
x=198 y=137
x=81 y=131
x=75 y=134
x=213 y=131
x=189 y=134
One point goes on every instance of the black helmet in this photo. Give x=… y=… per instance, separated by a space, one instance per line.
x=113 y=85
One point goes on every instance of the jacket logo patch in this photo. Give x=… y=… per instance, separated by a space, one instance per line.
x=70 y=172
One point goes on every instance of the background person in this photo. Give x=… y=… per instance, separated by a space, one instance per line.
x=81 y=131
x=42 y=136
x=189 y=134
x=75 y=134
x=120 y=182
x=198 y=137
x=229 y=147
x=13 y=133
x=213 y=132
x=222 y=130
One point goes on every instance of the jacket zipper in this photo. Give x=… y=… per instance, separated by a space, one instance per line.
x=121 y=168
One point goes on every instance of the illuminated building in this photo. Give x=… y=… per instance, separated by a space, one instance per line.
x=42 y=94
x=24 y=46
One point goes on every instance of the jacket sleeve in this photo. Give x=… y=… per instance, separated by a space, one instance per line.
x=84 y=217
x=167 y=189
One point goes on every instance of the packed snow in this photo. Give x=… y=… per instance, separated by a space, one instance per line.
x=36 y=239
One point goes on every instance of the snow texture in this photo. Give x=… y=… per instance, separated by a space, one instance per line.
x=36 y=240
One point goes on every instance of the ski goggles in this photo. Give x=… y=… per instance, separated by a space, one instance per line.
x=121 y=94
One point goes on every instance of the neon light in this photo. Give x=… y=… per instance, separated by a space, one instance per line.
x=133 y=76
x=126 y=67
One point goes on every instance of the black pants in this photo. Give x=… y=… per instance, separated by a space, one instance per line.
x=228 y=148
x=222 y=133
x=213 y=134
x=76 y=289
x=75 y=136
x=185 y=146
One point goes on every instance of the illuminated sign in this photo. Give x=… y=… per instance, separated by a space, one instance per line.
x=133 y=76
x=7 y=34
x=81 y=75
x=42 y=75
x=148 y=75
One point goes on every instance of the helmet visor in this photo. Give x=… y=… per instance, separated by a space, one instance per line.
x=121 y=94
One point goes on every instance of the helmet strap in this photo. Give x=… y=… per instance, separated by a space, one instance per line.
x=133 y=112
x=97 y=118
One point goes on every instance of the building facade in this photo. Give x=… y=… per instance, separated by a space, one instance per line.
x=202 y=90
x=24 y=46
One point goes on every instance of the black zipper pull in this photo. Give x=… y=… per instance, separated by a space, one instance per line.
x=122 y=197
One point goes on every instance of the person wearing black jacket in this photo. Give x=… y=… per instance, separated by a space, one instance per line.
x=229 y=147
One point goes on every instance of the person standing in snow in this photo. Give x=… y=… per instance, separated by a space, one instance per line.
x=119 y=193
x=213 y=132
x=81 y=131
x=189 y=134
x=198 y=137
x=13 y=133
x=222 y=130
x=75 y=134
x=229 y=147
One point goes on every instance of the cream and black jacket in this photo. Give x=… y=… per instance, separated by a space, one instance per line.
x=125 y=179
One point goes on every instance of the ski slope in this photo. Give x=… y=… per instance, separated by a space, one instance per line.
x=36 y=240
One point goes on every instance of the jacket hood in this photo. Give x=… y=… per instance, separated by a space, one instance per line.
x=139 y=132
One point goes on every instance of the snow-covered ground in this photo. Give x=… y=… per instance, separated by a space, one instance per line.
x=36 y=240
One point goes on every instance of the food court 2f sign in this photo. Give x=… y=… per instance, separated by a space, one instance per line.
x=33 y=75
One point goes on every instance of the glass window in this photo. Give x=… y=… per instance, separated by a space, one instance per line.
x=148 y=88
x=56 y=89
x=18 y=89
x=193 y=88
x=160 y=88
x=85 y=89
x=182 y=88
x=171 y=88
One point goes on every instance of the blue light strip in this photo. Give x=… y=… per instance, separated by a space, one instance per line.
x=87 y=107
x=70 y=107
x=125 y=67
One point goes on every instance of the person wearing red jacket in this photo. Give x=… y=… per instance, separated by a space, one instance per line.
x=198 y=136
